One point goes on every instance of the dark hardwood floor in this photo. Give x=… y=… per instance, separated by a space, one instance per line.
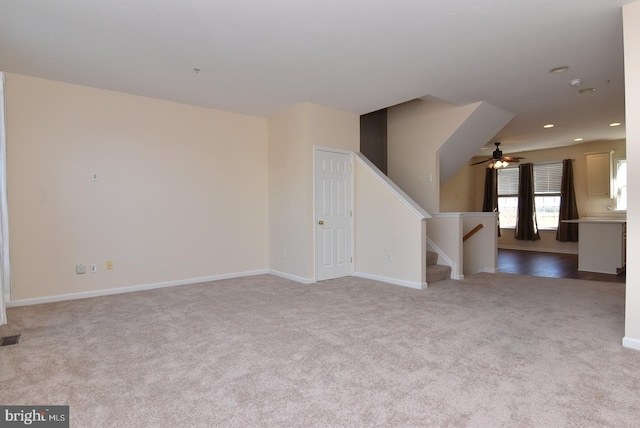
x=553 y=265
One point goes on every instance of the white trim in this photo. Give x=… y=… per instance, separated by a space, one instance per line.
x=393 y=188
x=465 y=214
x=480 y=214
x=122 y=290
x=394 y=281
x=448 y=214
x=332 y=149
x=630 y=343
x=537 y=249
x=5 y=263
x=295 y=278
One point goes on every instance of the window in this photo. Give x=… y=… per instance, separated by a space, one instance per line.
x=620 y=184
x=547 y=180
x=508 y=196
x=547 y=184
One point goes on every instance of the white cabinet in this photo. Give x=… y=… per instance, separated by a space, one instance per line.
x=599 y=175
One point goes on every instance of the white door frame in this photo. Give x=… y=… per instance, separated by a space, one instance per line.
x=5 y=265
x=351 y=155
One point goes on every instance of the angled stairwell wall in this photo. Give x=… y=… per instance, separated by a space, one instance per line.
x=390 y=229
x=429 y=140
x=484 y=122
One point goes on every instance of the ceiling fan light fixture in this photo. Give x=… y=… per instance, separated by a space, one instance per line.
x=498 y=161
x=498 y=164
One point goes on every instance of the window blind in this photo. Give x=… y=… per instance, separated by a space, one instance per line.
x=547 y=178
x=508 y=181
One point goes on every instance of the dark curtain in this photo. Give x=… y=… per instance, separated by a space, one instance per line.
x=567 y=232
x=490 y=201
x=526 y=224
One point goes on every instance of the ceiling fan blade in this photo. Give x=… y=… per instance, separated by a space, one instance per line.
x=478 y=163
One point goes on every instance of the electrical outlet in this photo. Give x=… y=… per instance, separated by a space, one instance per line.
x=80 y=268
x=109 y=265
x=94 y=268
x=390 y=257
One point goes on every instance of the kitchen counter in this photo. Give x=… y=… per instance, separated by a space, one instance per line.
x=597 y=220
x=602 y=244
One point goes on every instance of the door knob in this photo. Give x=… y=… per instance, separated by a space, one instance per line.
x=321 y=222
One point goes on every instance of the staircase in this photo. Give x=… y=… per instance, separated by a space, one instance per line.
x=436 y=272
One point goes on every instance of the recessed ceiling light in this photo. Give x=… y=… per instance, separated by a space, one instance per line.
x=615 y=124
x=549 y=125
x=559 y=69
x=587 y=90
x=578 y=139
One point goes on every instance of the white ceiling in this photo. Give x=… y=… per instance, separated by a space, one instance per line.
x=261 y=56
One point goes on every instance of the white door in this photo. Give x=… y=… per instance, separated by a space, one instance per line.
x=333 y=205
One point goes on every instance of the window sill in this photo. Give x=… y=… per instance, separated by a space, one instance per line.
x=540 y=229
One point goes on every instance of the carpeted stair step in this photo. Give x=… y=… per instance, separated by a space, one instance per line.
x=432 y=258
x=436 y=272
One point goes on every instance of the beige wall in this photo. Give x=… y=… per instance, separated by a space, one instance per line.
x=182 y=190
x=586 y=205
x=631 y=15
x=289 y=194
x=458 y=194
x=377 y=207
x=292 y=136
x=481 y=249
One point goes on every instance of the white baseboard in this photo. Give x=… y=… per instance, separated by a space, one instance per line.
x=110 y=291
x=539 y=250
x=628 y=342
x=394 y=281
x=457 y=277
x=293 y=277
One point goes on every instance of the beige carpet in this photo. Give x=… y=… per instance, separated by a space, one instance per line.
x=490 y=351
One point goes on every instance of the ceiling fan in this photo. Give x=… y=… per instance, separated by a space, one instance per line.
x=497 y=160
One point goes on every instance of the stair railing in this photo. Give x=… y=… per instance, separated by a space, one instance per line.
x=472 y=232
